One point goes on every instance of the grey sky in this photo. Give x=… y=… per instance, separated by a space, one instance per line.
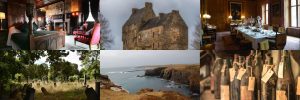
x=118 y=11
x=130 y=58
x=73 y=57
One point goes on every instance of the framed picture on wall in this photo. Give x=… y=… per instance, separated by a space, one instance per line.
x=276 y=9
x=235 y=10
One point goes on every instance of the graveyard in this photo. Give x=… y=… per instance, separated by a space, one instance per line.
x=49 y=75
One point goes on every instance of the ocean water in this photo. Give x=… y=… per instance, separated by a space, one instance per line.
x=129 y=80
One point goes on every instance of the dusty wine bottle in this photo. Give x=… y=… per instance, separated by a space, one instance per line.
x=285 y=84
x=232 y=72
x=217 y=77
x=225 y=81
x=258 y=64
x=269 y=79
x=239 y=73
x=245 y=93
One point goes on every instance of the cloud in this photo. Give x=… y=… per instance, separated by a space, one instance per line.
x=118 y=11
x=130 y=58
x=73 y=57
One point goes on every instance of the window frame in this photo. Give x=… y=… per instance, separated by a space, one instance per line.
x=265 y=11
x=297 y=6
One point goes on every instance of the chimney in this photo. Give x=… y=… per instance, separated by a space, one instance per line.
x=134 y=10
x=175 y=12
x=161 y=14
x=148 y=5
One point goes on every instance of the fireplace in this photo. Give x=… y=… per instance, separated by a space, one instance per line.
x=59 y=24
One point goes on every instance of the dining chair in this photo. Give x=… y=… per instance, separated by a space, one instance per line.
x=264 y=45
x=279 y=41
x=281 y=30
x=265 y=27
x=270 y=28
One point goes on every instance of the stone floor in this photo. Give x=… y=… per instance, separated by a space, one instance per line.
x=292 y=43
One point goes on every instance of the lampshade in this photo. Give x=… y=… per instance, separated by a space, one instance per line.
x=243 y=17
x=39 y=19
x=230 y=17
x=2 y=15
x=206 y=16
x=90 y=17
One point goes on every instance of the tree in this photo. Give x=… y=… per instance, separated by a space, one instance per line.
x=90 y=61
x=106 y=37
x=28 y=57
x=197 y=34
x=54 y=58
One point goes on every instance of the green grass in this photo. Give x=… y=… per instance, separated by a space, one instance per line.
x=63 y=91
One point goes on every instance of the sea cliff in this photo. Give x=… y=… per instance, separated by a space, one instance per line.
x=110 y=91
x=185 y=74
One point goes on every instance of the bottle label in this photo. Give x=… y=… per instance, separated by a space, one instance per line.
x=280 y=95
x=265 y=69
x=223 y=69
x=298 y=86
x=212 y=83
x=280 y=70
x=241 y=73
x=225 y=92
x=231 y=73
x=251 y=83
x=267 y=76
x=245 y=94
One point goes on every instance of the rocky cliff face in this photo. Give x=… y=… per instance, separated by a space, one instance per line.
x=185 y=74
x=110 y=91
x=154 y=72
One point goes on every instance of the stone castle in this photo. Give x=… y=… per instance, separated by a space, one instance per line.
x=146 y=31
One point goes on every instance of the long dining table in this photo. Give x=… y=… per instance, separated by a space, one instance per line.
x=255 y=35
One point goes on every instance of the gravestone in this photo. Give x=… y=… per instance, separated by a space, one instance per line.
x=90 y=94
x=45 y=92
x=38 y=84
x=15 y=95
x=29 y=94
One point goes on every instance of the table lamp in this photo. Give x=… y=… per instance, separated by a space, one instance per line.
x=2 y=16
x=205 y=17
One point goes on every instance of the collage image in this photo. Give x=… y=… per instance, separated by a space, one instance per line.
x=149 y=49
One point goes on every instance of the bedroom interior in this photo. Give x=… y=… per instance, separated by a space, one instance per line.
x=250 y=24
x=50 y=24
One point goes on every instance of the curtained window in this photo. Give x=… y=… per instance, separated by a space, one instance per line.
x=265 y=14
x=295 y=13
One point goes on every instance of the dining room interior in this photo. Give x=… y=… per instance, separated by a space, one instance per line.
x=250 y=24
x=50 y=24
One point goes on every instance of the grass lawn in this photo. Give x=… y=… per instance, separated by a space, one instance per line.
x=62 y=91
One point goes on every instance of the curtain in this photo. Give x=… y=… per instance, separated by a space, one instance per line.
x=94 y=4
x=85 y=9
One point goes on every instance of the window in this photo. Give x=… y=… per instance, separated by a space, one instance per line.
x=295 y=13
x=265 y=14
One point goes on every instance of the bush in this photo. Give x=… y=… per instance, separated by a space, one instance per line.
x=19 y=77
x=73 y=78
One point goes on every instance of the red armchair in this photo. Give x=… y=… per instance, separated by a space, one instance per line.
x=90 y=39
x=80 y=30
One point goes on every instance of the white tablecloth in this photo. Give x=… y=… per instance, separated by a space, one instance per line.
x=255 y=37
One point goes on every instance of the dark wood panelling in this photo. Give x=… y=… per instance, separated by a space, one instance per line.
x=16 y=11
x=219 y=11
